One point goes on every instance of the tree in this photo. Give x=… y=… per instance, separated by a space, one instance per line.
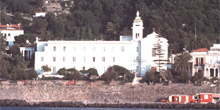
x=150 y=77
x=21 y=39
x=166 y=75
x=70 y=74
x=109 y=76
x=2 y=46
x=5 y=68
x=181 y=62
x=92 y=72
x=39 y=26
x=198 y=77
x=32 y=74
x=45 y=68
x=14 y=50
x=117 y=73
x=159 y=52
x=184 y=76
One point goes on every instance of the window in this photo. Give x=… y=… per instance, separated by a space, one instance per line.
x=103 y=49
x=84 y=49
x=103 y=59
x=9 y=34
x=54 y=48
x=64 y=59
x=84 y=59
x=54 y=59
x=216 y=72
x=94 y=49
x=206 y=97
x=54 y=69
x=113 y=59
x=84 y=68
x=104 y=68
x=137 y=49
x=113 y=49
x=212 y=72
x=197 y=60
x=64 y=48
x=42 y=59
x=93 y=59
x=122 y=49
x=200 y=61
x=137 y=35
x=74 y=49
x=74 y=59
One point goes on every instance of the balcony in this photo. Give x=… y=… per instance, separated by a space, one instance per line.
x=199 y=65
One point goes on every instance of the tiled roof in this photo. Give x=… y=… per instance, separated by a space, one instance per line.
x=201 y=50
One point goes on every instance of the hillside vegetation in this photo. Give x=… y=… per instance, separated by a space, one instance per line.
x=185 y=23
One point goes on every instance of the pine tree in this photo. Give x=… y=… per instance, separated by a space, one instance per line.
x=159 y=52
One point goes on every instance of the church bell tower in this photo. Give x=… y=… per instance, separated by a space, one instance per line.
x=137 y=28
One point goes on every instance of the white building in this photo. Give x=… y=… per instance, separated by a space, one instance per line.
x=27 y=50
x=9 y=32
x=40 y=14
x=207 y=61
x=134 y=52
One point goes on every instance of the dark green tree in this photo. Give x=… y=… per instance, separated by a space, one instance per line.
x=45 y=68
x=151 y=77
x=181 y=61
x=92 y=72
x=198 y=77
x=70 y=74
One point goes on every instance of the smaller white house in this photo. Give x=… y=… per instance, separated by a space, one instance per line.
x=207 y=61
x=27 y=50
x=40 y=14
x=9 y=32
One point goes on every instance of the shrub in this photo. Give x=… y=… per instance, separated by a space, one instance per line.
x=198 y=77
x=184 y=76
x=45 y=68
x=32 y=74
x=151 y=77
x=92 y=72
x=70 y=74
x=22 y=74
x=109 y=76
x=115 y=71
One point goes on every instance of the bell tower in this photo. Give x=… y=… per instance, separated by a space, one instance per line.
x=137 y=28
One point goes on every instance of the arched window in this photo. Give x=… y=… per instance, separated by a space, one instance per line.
x=212 y=72
x=216 y=72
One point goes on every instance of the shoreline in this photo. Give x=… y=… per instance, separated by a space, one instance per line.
x=23 y=103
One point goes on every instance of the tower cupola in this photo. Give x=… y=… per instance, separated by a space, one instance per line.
x=137 y=28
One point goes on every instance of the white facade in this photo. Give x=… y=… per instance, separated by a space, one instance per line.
x=207 y=61
x=133 y=53
x=27 y=52
x=40 y=14
x=8 y=32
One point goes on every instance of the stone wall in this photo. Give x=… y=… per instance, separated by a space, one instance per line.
x=96 y=92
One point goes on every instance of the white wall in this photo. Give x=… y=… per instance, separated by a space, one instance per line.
x=84 y=52
x=10 y=34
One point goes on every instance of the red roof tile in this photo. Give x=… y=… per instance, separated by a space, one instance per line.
x=201 y=50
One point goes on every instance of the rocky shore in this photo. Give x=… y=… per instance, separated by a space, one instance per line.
x=22 y=103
